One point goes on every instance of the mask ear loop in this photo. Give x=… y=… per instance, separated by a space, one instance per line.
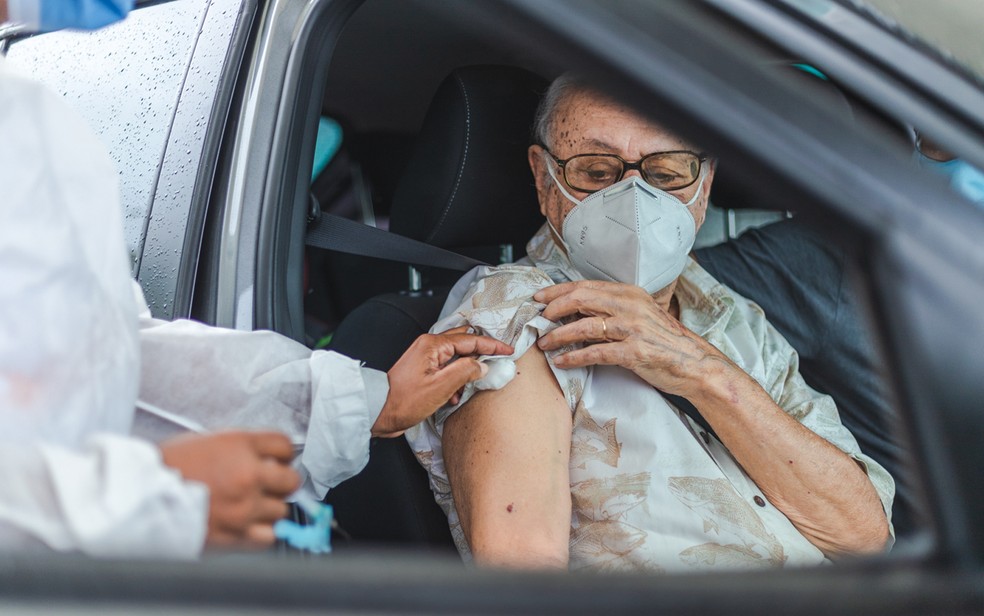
x=700 y=188
x=550 y=162
x=558 y=236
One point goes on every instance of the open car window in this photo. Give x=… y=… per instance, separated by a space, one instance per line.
x=827 y=147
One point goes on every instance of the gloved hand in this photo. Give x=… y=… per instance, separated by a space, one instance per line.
x=425 y=377
x=248 y=475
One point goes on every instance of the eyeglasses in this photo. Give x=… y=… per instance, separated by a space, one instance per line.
x=664 y=170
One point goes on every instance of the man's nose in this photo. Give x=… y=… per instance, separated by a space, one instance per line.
x=631 y=173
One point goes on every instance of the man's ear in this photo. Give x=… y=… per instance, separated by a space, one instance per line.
x=539 y=168
x=712 y=164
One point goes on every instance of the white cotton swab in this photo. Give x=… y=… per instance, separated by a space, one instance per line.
x=501 y=371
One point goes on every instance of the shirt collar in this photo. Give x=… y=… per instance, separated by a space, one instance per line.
x=705 y=304
x=544 y=252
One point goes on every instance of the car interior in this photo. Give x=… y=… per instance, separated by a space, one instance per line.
x=435 y=121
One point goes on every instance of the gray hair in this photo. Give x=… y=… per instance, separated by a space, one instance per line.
x=559 y=90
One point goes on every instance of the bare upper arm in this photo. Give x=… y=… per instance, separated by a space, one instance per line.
x=507 y=454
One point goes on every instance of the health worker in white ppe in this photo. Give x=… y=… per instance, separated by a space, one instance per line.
x=76 y=336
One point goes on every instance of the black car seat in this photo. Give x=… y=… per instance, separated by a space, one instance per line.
x=466 y=187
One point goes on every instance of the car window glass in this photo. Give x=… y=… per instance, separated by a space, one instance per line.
x=951 y=26
x=124 y=80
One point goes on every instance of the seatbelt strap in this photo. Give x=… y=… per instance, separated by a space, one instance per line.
x=685 y=405
x=332 y=232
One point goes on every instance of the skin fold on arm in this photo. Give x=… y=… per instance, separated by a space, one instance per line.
x=507 y=454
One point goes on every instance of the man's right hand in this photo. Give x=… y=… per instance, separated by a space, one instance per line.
x=248 y=475
x=425 y=378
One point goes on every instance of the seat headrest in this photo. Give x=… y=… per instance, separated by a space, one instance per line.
x=468 y=182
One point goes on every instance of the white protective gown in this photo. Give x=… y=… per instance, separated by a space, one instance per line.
x=72 y=331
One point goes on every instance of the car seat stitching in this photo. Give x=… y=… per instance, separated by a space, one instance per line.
x=464 y=160
x=408 y=314
x=385 y=301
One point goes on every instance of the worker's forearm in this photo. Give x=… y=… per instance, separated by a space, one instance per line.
x=822 y=490
x=3 y=11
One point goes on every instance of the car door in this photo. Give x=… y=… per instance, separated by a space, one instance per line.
x=700 y=64
x=157 y=88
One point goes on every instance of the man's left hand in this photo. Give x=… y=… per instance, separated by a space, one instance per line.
x=622 y=325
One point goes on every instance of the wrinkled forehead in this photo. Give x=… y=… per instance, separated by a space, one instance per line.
x=585 y=119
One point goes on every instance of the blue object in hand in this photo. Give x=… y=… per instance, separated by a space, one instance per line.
x=314 y=537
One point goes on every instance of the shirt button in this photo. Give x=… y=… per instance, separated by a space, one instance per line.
x=759 y=501
x=706 y=438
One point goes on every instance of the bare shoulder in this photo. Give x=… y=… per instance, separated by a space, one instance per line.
x=534 y=387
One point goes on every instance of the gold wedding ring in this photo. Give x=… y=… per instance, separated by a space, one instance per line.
x=604 y=329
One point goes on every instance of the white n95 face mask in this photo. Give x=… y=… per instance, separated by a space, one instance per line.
x=630 y=232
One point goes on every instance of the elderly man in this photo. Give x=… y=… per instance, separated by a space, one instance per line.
x=586 y=459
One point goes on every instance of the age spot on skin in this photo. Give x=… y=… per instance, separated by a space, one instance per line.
x=509 y=507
